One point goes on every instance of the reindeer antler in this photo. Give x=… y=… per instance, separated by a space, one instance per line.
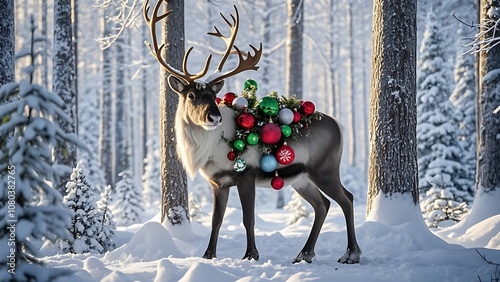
x=156 y=50
x=250 y=63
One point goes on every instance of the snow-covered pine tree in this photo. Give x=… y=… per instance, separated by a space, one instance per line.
x=151 y=178
x=464 y=100
x=297 y=207
x=439 y=153
x=128 y=202
x=195 y=211
x=81 y=199
x=107 y=227
x=31 y=172
x=440 y=206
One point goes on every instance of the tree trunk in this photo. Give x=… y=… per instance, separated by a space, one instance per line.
x=121 y=112
x=294 y=49
x=333 y=61
x=173 y=176
x=44 y=56
x=7 y=42
x=64 y=86
x=145 y=96
x=351 y=97
x=393 y=119
x=488 y=165
x=105 y=123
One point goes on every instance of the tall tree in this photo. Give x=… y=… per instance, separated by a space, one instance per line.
x=439 y=153
x=393 y=116
x=121 y=103
x=7 y=42
x=350 y=88
x=64 y=85
x=294 y=46
x=44 y=54
x=173 y=177
x=105 y=123
x=487 y=194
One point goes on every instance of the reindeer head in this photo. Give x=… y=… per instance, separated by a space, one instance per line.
x=197 y=97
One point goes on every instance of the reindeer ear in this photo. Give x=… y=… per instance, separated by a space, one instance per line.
x=176 y=84
x=217 y=86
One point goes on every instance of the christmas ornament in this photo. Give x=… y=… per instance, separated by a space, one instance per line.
x=231 y=155
x=286 y=130
x=270 y=134
x=228 y=98
x=218 y=100
x=252 y=139
x=268 y=163
x=285 y=155
x=250 y=84
x=277 y=183
x=268 y=106
x=239 y=103
x=285 y=116
x=296 y=117
x=239 y=165
x=239 y=145
x=246 y=121
x=307 y=108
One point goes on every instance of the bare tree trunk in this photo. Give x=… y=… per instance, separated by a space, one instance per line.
x=42 y=22
x=333 y=60
x=350 y=77
x=105 y=124
x=173 y=176
x=64 y=85
x=294 y=46
x=393 y=113
x=145 y=96
x=488 y=167
x=121 y=112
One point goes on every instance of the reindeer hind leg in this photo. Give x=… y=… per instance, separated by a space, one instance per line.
x=320 y=204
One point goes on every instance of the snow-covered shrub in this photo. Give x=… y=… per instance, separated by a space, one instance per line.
x=81 y=199
x=195 y=211
x=128 y=200
x=106 y=226
x=297 y=208
x=440 y=207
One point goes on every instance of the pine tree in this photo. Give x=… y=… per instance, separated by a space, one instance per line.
x=297 y=207
x=464 y=100
x=129 y=204
x=439 y=154
x=31 y=173
x=107 y=227
x=440 y=205
x=151 y=178
x=81 y=199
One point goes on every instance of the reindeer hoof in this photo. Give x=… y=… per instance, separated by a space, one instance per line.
x=251 y=254
x=209 y=254
x=350 y=256
x=304 y=255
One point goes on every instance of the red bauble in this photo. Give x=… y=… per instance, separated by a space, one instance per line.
x=270 y=134
x=307 y=108
x=231 y=155
x=246 y=121
x=285 y=155
x=296 y=117
x=277 y=183
x=218 y=100
x=228 y=98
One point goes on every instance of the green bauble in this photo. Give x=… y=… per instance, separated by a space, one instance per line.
x=252 y=139
x=268 y=106
x=286 y=130
x=250 y=85
x=239 y=145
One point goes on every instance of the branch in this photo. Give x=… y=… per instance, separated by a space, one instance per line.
x=486 y=260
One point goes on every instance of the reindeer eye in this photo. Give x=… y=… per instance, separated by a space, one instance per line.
x=191 y=96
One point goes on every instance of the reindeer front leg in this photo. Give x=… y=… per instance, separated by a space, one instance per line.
x=219 y=208
x=246 y=191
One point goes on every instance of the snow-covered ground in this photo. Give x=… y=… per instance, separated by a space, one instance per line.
x=404 y=252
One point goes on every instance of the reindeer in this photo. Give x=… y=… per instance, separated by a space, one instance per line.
x=200 y=122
